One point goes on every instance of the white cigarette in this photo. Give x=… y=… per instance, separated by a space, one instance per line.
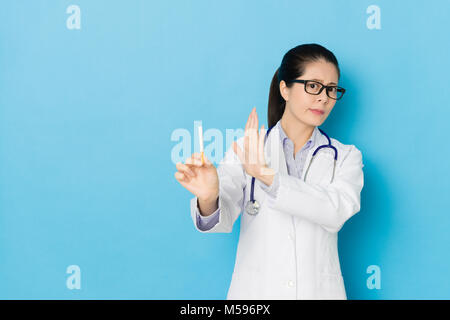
x=200 y=137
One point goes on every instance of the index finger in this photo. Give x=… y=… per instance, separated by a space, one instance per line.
x=248 y=120
x=256 y=120
x=194 y=160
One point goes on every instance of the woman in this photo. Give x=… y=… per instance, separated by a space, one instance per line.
x=288 y=248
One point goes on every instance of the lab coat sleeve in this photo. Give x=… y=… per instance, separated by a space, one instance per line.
x=327 y=205
x=232 y=183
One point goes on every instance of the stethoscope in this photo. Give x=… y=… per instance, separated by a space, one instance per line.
x=252 y=207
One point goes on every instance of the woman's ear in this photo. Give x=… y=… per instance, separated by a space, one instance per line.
x=284 y=90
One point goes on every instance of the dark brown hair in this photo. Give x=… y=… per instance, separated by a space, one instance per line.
x=293 y=66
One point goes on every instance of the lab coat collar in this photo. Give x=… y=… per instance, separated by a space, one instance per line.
x=284 y=137
x=274 y=153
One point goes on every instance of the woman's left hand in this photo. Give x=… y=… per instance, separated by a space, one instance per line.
x=253 y=158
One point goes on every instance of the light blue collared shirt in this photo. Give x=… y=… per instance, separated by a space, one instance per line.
x=294 y=166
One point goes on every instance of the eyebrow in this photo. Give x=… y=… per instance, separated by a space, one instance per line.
x=322 y=81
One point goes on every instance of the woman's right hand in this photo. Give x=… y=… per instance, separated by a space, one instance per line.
x=200 y=179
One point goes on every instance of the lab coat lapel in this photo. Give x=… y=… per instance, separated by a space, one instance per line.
x=323 y=161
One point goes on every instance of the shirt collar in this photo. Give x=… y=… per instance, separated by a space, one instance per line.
x=309 y=144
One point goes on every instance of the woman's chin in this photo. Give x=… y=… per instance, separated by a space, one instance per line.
x=315 y=122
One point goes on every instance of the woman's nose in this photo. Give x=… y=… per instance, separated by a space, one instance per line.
x=323 y=96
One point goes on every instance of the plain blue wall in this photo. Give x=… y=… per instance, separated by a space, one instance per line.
x=86 y=118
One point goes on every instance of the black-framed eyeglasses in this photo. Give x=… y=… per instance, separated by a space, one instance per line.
x=315 y=87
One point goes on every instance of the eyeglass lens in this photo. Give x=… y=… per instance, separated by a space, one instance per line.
x=315 y=87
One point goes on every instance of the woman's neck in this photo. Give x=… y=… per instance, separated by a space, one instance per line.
x=297 y=131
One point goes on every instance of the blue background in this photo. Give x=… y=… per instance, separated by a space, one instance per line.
x=86 y=117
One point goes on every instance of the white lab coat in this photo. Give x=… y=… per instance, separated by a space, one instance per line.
x=289 y=250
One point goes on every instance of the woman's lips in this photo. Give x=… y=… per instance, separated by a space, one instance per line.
x=317 y=111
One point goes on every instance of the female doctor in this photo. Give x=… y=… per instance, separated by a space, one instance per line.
x=294 y=186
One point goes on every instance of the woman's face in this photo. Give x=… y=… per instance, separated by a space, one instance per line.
x=299 y=103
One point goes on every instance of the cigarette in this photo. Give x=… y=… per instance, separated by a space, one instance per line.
x=200 y=138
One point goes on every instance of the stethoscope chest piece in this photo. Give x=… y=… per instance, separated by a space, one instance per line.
x=252 y=207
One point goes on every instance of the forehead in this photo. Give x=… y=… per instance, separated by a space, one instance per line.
x=322 y=71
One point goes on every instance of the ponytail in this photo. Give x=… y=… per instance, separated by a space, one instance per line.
x=276 y=102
